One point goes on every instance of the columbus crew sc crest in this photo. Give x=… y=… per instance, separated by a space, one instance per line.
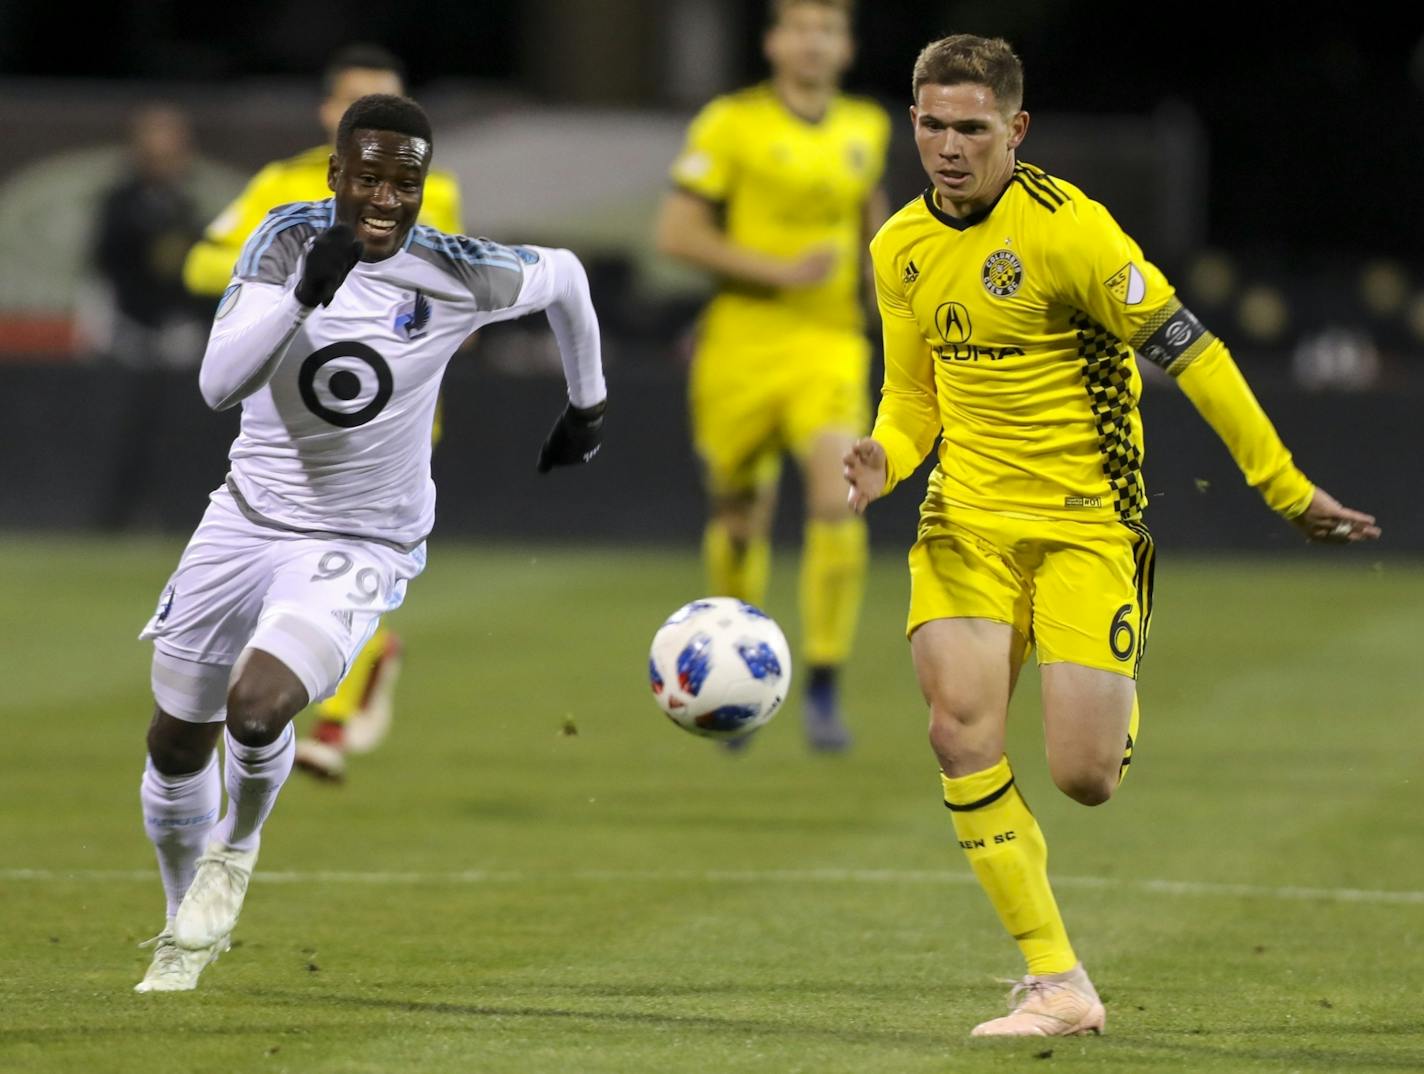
x=1003 y=272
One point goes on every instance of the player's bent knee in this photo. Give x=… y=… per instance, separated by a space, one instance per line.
x=1088 y=787
x=177 y=747
x=963 y=734
x=258 y=711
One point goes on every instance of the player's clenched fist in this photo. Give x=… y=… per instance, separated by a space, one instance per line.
x=333 y=254
x=865 y=472
x=575 y=438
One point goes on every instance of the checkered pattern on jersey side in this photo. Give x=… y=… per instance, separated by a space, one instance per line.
x=1105 y=376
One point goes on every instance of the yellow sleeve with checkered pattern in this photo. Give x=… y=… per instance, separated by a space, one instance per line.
x=1100 y=270
x=907 y=421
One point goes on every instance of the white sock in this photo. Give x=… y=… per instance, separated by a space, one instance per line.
x=253 y=778
x=178 y=814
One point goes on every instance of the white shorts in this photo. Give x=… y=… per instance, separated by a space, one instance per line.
x=312 y=602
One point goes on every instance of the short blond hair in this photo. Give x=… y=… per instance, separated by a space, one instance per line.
x=780 y=7
x=984 y=61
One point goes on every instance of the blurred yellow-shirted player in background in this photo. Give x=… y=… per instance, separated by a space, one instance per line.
x=1014 y=311
x=358 y=716
x=777 y=192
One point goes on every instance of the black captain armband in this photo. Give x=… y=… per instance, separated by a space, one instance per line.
x=1173 y=339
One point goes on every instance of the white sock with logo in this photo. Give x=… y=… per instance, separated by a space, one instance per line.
x=178 y=814
x=254 y=776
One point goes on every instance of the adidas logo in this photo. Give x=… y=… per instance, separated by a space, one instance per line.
x=344 y=618
x=911 y=274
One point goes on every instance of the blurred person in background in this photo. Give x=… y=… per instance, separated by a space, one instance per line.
x=777 y=192
x=142 y=318
x=1014 y=311
x=146 y=224
x=358 y=717
x=333 y=336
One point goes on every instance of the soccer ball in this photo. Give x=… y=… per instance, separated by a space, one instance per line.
x=719 y=667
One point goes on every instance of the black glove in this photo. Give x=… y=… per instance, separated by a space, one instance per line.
x=333 y=254
x=575 y=438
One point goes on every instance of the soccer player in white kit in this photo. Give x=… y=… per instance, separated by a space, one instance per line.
x=333 y=335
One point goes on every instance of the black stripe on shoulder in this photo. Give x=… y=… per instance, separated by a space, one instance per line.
x=1046 y=179
x=1035 y=195
x=1053 y=195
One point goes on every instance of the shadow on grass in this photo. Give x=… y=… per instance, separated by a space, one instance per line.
x=841 y=1033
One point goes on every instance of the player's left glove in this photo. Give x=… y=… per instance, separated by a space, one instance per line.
x=575 y=438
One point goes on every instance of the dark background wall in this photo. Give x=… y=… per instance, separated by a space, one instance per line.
x=69 y=462
x=1314 y=114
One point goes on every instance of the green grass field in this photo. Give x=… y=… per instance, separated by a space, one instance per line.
x=490 y=893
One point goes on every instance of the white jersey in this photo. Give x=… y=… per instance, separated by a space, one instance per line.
x=338 y=401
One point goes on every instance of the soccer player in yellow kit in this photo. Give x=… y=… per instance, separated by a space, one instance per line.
x=777 y=191
x=1012 y=307
x=356 y=718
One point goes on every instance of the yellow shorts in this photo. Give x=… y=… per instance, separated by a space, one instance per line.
x=1079 y=591
x=752 y=401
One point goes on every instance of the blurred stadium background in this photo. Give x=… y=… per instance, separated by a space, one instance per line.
x=1269 y=165
x=536 y=874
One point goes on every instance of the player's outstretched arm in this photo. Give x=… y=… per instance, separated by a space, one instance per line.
x=554 y=281
x=1214 y=384
x=865 y=472
x=1326 y=519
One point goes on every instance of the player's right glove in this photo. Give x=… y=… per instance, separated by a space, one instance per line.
x=575 y=438
x=333 y=254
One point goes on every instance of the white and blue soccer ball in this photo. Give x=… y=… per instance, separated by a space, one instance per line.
x=720 y=667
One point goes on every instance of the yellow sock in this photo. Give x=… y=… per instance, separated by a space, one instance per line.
x=832 y=581
x=736 y=568
x=1131 y=742
x=346 y=702
x=1006 y=849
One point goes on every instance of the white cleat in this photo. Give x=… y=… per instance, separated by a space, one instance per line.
x=371 y=723
x=175 y=969
x=1054 y=1005
x=208 y=912
x=322 y=759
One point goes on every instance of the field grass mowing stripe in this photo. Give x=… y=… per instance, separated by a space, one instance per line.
x=748 y=876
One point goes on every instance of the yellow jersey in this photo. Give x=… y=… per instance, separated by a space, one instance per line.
x=786 y=185
x=1012 y=333
x=208 y=268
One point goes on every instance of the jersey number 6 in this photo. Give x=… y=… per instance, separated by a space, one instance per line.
x=1120 y=627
